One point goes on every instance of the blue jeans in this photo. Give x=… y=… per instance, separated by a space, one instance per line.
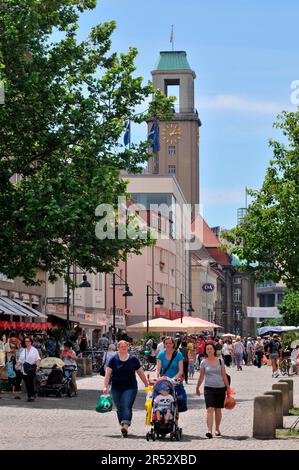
x=124 y=401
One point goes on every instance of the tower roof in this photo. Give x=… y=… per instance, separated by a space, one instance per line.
x=172 y=60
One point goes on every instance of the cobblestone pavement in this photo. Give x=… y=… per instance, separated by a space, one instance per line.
x=72 y=423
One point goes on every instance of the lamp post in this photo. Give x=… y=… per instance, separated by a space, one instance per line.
x=159 y=301
x=190 y=309
x=127 y=293
x=84 y=283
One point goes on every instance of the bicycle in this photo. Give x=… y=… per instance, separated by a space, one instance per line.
x=148 y=362
x=96 y=358
x=286 y=367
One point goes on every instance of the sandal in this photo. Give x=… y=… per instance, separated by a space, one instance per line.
x=209 y=435
x=217 y=433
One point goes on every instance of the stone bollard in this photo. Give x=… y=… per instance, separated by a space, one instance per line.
x=285 y=396
x=278 y=407
x=81 y=367
x=88 y=365
x=264 y=417
x=291 y=391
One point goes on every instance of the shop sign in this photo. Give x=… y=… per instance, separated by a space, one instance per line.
x=208 y=287
x=161 y=312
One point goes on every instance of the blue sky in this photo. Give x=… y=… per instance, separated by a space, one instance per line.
x=245 y=55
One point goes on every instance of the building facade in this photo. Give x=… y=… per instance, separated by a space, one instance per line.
x=87 y=307
x=165 y=266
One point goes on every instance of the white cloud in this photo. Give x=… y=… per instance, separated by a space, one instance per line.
x=239 y=103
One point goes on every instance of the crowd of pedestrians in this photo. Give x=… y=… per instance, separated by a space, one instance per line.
x=20 y=357
x=178 y=358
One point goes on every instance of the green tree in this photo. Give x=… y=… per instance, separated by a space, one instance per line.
x=267 y=239
x=66 y=107
x=272 y=321
x=289 y=308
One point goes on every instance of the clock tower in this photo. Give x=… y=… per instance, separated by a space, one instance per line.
x=179 y=138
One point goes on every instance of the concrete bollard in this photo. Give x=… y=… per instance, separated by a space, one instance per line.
x=291 y=391
x=278 y=407
x=81 y=367
x=264 y=417
x=88 y=365
x=285 y=396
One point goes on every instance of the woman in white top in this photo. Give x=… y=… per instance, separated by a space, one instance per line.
x=30 y=361
x=227 y=353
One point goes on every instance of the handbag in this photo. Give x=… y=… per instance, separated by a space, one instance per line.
x=181 y=398
x=29 y=369
x=228 y=376
x=102 y=368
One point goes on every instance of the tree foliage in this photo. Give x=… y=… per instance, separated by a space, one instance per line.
x=289 y=308
x=268 y=237
x=66 y=106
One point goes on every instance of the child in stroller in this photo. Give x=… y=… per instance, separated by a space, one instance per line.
x=54 y=377
x=164 y=419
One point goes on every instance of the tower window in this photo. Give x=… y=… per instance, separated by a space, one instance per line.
x=171 y=150
x=171 y=169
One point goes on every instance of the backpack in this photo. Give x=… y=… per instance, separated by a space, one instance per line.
x=275 y=346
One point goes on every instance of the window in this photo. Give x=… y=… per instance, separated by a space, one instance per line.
x=237 y=280
x=237 y=295
x=267 y=300
x=171 y=169
x=171 y=150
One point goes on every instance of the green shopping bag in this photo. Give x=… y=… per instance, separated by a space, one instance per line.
x=104 y=404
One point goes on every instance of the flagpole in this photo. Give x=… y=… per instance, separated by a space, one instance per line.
x=172 y=38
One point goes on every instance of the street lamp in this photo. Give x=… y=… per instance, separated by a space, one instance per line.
x=236 y=320
x=84 y=283
x=190 y=309
x=127 y=293
x=159 y=301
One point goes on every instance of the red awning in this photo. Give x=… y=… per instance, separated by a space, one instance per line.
x=13 y=325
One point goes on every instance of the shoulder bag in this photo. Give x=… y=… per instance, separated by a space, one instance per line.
x=29 y=369
x=228 y=376
x=102 y=369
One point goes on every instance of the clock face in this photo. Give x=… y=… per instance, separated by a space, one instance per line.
x=171 y=133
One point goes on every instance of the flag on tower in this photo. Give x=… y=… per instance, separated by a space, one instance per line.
x=154 y=137
x=127 y=136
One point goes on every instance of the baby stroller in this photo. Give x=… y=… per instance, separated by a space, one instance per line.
x=161 y=427
x=54 y=377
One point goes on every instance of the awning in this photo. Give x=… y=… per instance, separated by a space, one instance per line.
x=16 y=307
x=162 y=325
x=30 y=309
x=73 y=319
x=27 y=326
x=7 y=309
